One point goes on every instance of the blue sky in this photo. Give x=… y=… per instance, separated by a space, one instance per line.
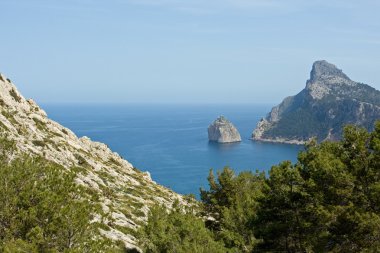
x=173 y=51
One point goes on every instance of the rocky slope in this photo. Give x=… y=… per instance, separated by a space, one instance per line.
x=125 y=193
x=223 y=131
x=329 y=101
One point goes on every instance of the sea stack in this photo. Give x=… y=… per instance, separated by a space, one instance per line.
x=223 y=131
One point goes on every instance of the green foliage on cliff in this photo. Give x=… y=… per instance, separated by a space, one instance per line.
x=329 y=201
x=43 y=209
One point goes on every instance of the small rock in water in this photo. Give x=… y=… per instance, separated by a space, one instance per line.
x=223 y=131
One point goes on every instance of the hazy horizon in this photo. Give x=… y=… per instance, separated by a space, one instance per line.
x=182 y=52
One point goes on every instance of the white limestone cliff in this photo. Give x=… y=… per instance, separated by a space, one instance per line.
x=126 y=193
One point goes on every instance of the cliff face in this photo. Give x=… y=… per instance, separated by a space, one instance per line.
x=126 y=193
x=223 y=131
x=329 y=101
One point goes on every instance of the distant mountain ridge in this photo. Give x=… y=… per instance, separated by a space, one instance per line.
x=329 y=101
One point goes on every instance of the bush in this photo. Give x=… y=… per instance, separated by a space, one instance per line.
x=15 y=96
x=43 y=209
x=177 y=231
x=329 y=201
x=39 y=143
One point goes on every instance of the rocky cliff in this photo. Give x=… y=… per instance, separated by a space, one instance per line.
x=223 y=131
x=126 y=194
x=329 y=101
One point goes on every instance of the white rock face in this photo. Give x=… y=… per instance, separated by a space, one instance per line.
x=126 y=194
x=258 y=132
x=223 y=131
x=329 y=101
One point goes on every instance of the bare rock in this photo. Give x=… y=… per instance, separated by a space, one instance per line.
x=223 y=131
x=329 y=101
x=116 y=181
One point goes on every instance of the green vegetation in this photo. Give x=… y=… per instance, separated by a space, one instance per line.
x=81 y=160
x=3 y=126
x=40 y=125
x=10 y=116
x=113 y=161
x=304 y=116
x=13 y=93
x=39 y=143
x=177 y=231
x=233 y=202
x=43 y=209
x=329 y=201
x=300 y=124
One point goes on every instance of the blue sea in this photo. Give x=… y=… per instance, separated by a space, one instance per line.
x=170 y=141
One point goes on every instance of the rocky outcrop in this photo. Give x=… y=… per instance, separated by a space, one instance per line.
x=329 y=101
x=125 y=193
x=223 y=131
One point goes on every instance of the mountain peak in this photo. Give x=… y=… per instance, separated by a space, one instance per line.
x=329 y=101
x=322 y=70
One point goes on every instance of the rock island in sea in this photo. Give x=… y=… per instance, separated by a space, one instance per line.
x=223 y=131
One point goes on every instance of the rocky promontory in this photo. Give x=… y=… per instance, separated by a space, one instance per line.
x=123 y=193
x=223 y=131
x=329 y=101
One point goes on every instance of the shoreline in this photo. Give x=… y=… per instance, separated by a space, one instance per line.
x=279 y=140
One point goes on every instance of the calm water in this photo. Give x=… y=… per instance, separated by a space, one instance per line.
x=170 y=141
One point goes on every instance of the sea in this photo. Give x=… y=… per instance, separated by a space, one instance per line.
x=171 y=142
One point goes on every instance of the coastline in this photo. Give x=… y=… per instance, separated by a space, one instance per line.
x=280 y=140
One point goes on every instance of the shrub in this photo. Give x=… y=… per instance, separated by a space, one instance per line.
x=39 y=143
x=43 y=209
x=176 y=231
x=14 y=94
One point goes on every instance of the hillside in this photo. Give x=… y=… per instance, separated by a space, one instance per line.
x=329 y=101
x=125 y=193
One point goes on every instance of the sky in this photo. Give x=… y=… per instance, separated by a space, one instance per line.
x=177 y=51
